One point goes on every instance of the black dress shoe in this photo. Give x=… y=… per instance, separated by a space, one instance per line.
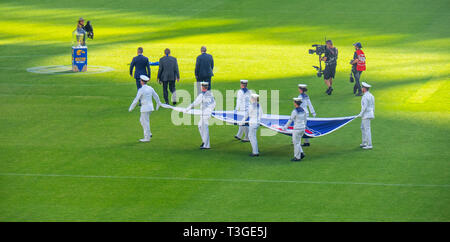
x=302 y=155
x=331 y=90
x=202 y=145
x=245 y=140
x=358 y=94
x=253 y=155
x=237 y=138
x=174 y=103
x=295 y=159
x=204 y=148
x=306 y=144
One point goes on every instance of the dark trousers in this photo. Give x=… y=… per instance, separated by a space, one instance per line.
x=357 y=75
x=205 y=79
x=138 y=83
x=171 y=85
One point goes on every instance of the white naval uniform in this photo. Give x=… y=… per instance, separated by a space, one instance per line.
x=242 y=104
x=207 y=105
x=254 y=114
x=306 y=104
x=367 y=113
x=298 y=116
x=145 y=94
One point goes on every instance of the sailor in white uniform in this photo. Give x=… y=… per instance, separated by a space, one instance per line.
x=367 y=114
x=207 y=104
x=298 y=116
x=144 y=95
x=242 y=104
x=254 y=115
x=306 y=104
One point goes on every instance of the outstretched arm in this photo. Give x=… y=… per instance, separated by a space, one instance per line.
x=291 y=119
x=196 y=102
x=135 y=101
x=156 y=97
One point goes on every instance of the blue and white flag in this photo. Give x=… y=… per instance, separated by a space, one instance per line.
x=315 y=127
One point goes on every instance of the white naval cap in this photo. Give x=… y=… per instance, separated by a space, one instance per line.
x=244 y=81
x=302 y=85
x=204 y=83
x=365 y=84
x=144 y=78
x=297 y=99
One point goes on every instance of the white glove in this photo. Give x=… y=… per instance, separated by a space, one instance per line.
x=129 y=110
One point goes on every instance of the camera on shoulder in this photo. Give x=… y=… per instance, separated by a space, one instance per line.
x=319 y=50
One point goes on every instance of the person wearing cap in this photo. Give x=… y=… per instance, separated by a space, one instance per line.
x=367 y=114
x=242 y=104
x=204 y=68
x=298 y=116
x=144 y=95
x=207 y=104
x=330 y=58
x=305 y=105
x=81 y=31
x=358 y=66
x=254 y=115
x=141 y=65
x=167 y=74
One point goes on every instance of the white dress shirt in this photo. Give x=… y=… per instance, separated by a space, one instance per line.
x=145 y=94
x=367 y=106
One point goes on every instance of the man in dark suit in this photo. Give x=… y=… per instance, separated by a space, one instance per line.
x=142 y=65
x=204 y=69
x=168 y=72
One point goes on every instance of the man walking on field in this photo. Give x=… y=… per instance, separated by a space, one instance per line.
x=144 y=95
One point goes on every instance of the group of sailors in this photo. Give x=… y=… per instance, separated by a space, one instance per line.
x=248 y=103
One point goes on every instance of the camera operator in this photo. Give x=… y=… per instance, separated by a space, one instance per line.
x=330 y=59
x=358 y=66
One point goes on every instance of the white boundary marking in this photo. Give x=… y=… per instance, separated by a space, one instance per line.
x=42 y=70
x=228 y=180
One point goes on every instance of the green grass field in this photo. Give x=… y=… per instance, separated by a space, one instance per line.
x=68 y=145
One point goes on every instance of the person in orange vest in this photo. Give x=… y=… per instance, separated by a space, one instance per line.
x=358 y=66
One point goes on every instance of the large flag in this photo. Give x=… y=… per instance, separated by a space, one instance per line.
x=315 y=127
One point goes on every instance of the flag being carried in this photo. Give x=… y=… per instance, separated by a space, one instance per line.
x=315 y=127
